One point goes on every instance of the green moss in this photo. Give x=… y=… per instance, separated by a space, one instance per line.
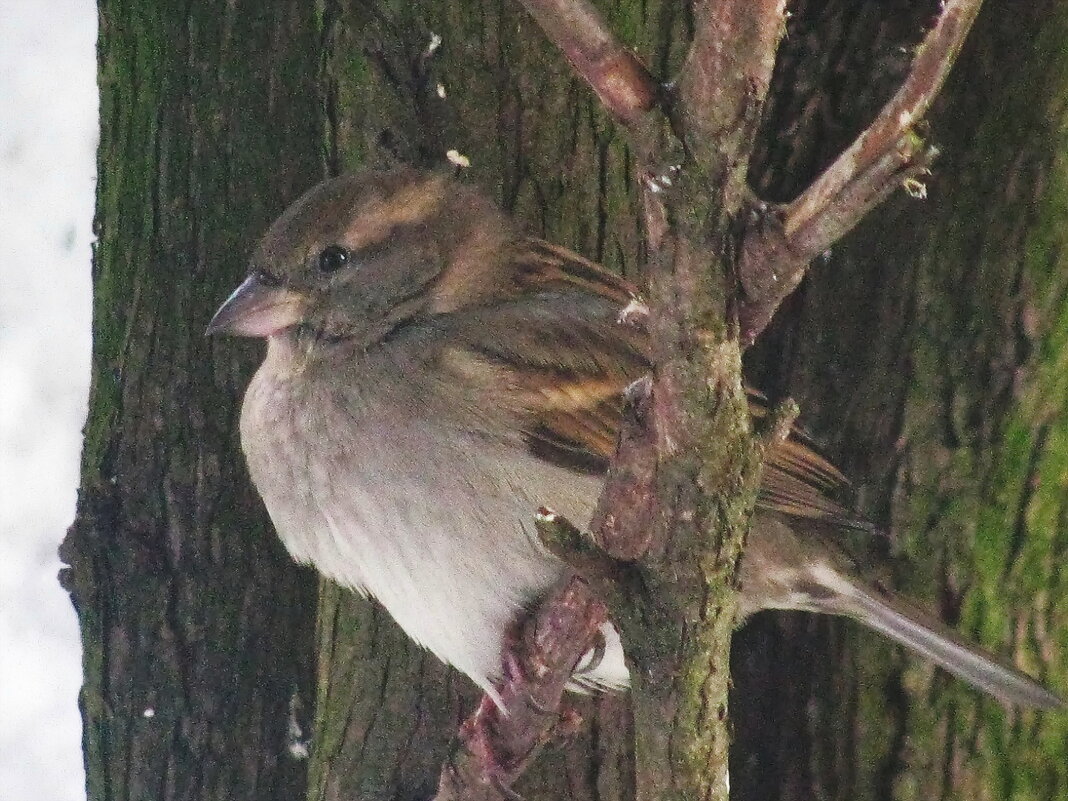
x=997 y=499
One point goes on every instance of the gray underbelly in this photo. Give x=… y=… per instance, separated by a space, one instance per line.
x=443 y=539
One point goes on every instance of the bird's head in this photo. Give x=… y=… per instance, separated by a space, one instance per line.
x=360 y=256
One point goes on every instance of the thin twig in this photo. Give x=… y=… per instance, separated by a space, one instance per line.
x=772 y=263
x=934 y=57
x=890 y=171
x=887 y=154
x=577 y=549
x=778 y=423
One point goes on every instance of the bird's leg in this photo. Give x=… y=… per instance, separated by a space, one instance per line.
x=518 y=679
x=498 y=735
x=511 y=724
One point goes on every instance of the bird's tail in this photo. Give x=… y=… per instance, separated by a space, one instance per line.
x=931 y=638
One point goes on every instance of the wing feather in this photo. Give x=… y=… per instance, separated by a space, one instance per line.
x=571 y=407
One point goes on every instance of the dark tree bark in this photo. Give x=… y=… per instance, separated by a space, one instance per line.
x=930 y=370
x=928 y=354
x=197 y=630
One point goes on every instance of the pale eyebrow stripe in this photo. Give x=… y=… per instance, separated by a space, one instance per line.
x=406 y=206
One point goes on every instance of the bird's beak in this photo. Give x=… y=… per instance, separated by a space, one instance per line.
x=257 y=309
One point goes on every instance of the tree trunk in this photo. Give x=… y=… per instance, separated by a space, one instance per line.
x=197 y=630
x=929 y=354
x=213 y=121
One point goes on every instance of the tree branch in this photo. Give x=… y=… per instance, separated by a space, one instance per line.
x=885 y=155
x=579 y=551
x=612 y=70
x=726 y=75
x=500 y=739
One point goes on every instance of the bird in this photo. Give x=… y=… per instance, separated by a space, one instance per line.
x=434 y=375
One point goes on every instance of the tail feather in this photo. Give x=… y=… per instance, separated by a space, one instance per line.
x=932 y=639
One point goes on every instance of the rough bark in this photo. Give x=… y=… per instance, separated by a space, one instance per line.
x=197 y=631
x=928 y=354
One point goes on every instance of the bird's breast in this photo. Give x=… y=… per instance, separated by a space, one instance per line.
x=433 y=521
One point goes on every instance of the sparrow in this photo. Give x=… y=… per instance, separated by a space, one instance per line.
x=434 y=376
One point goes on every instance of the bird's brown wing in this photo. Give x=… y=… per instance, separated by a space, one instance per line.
x=573 y=403
x=799 y=481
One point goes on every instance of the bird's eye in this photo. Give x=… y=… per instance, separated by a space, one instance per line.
x=332 y=258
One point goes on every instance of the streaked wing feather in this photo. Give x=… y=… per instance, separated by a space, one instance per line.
x=573 y=410
x=543 y=266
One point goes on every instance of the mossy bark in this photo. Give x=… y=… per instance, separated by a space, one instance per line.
x=982 y=490
x=197 y=630
x=929 y=354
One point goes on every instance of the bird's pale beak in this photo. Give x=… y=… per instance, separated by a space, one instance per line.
x=258 y=309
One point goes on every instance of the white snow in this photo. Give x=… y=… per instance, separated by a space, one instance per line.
x=48 y=123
